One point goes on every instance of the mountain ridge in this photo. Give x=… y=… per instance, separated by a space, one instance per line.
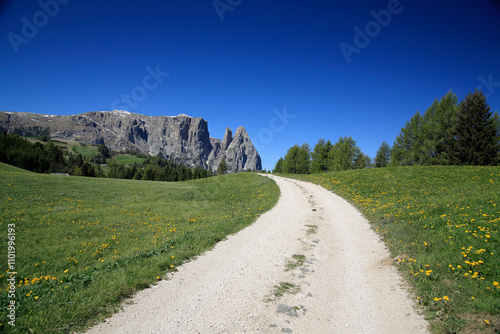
x=182 y=138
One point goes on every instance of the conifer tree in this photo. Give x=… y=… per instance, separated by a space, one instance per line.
x=279 y=166
x=436 y=130
x=222 y=168
x=297 y=160
x=344 y=155
x=383 y=156
x=407 y=148
x=476 y=140
x=319 y=156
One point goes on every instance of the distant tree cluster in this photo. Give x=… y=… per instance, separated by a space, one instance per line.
x=43 y=158
x=157 y=169
x=50 y=158
x=343 y=155
x=448 y=133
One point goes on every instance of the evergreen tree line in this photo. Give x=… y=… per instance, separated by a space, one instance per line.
x=344 y=154
x=50 y=158
x=448 y=133
x=44 y=158
x=157 y=169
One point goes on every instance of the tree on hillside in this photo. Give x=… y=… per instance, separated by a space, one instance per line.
x=362 y=161
x=383 y=156
x=222 y=168
x=496 y=120
x=103 y=150
x=408 y=144
x=297 y=160
x=344 y=155
x=476 y=140
x=279 y=166
x=319 y=156
x=436 y=130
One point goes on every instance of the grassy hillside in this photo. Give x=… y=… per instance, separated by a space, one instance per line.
x=83 y=244
x=126 y=159
x=442 y=226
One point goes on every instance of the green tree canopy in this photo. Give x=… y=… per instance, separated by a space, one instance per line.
x=475 y=133
x=436 y=130
x=222 y=168
x=345 y=154
x=279 y=166
x=297 y=160
x=408 y=144
x=383 y=156
x=103 y=150
x=319 y=156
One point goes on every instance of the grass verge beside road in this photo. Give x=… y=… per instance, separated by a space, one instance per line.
x=82 y=245
x=441 y=225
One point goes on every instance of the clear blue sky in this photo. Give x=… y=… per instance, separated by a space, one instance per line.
x=242 y=62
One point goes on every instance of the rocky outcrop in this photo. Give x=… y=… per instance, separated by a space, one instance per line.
x=180 y=138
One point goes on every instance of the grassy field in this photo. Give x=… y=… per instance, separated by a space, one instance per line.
x=126 y=159
x=442 y=226
x=86 y=150
x=84 y=244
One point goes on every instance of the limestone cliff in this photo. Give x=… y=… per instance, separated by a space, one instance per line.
x=180 y=138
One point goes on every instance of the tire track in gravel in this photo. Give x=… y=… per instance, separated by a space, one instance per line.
x=346 y=283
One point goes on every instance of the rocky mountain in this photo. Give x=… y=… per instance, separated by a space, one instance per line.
x=180 y=138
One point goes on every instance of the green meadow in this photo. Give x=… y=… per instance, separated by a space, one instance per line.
x=82 y=245
x=441 y=225
x=126 y=159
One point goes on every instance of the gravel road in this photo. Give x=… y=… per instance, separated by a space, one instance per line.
x=346 y=284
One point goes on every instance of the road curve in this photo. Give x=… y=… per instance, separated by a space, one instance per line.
x=347 y=283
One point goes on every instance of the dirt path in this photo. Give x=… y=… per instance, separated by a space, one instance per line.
x=347 y=283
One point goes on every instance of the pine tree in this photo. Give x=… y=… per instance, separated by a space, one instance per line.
x=436 y=130
x=383 y=156
x=476 y=140
x=319 y=156
x=279 y=166
x=222 y=168
x=407 y=148
x=297 y=160
x=344 y=155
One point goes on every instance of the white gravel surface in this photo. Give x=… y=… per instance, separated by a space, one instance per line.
x=347 y=283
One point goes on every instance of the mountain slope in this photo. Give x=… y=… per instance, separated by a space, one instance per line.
x=181 y=138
